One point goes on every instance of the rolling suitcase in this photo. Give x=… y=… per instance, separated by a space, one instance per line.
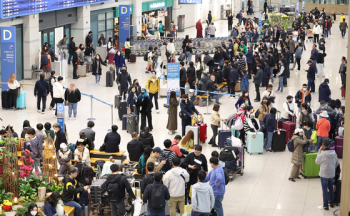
x=81 y=70
x=117 y=100
x=278 y=122
x=132 y=124
x=182 y=57
x=195 y=130
x=97 y=189
x=202 y=132
x=255 y=142
x=289 y=127
x=5 y=95
x=122 y=109
x=223 y=135
x=279 y=141
x=124 y=122
x=238 y=86
x=309 y=167
x=337 y=192
x=21 y=102
x=234 y=132
x=198 y=55
x=132 y=58
x=109 y=79
x=339 y=146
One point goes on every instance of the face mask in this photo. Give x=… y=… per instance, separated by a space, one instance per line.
x=118 y=53
x=33 y=213
x=301 y=134
x=123 y=71
x=246 y=94
x=290 y=102
x=153 y=75
x=247 y=102
x=64 y=149
x=137 y=84
x=189 y=95
x=304 y=89
x=307 y=128
x=55 y=130
x=264 y=101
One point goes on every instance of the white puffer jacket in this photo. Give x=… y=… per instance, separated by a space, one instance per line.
x=317 y=29
x=58 y=91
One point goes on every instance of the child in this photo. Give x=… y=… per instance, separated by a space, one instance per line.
x=48 y=130
x=245 y=82
x=155 y=57
x=39 y=128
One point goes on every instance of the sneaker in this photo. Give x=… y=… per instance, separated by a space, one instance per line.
x=256 y=100
x=291 y=179
x=69 y=118
x=96 y=84
x=50 y=108
x=75 y=118
x=323 y=208
x=39 y=111
x=298 y=177
x=269 y=151
x=214 y=145
x=157 y=111
x=43 y=112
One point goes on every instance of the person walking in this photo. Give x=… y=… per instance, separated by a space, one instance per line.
x=232 y=80
x=189 y=47
x=264 y=109
x=153 y=87
x=75 y=63
x=320 y=63
x=299 y=140
x=119 y=62
x=210 y=17
x=317 y=31
x=127 y=49
x=97 y=68
x=52 y=80
x=172 y=113
x=265 y=7
x=123 y=82
x=171 y=49
x=73 y=96
x=343 y=26
x=199 y=29
x=145 y=104
x=187 y=110
x=58 y=92
x=71 y=48
x=13 y=84
x=328 y=161
x=163 y=56
x=324 y=92
x=216 y=178
x=257 y=80
x=88 y=55
x=298 y=54
x=311 y=76
x=229 y=21
x=215 y=124
x=41 y=89
x=175 y=180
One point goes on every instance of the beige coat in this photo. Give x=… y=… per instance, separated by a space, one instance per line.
x=163 y=57
x=172 y=116
x=263 y=110
x=297 y=156
x=215 y=118
x=157 y=164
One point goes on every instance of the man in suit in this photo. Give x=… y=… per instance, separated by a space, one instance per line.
x=267 y=34
x=276 y=36
x=89 y=133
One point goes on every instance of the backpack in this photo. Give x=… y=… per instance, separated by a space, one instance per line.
x=157 y=200
x=227 y=175
x=44 y=60
x=304 y=118
x=229 y=154
x=145 y=57
x=290 y=145
x=239 y=121
x=114 y=192
x=167 y=165
x=237 y=16
x=86 y=175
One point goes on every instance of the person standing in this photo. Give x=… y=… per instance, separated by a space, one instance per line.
x=323 y=128
x=216 y=179
x=60 y=135
x=127 y=49
x=298 y=54
x=328 y=161
x=13 y=84
x=46 y=62
x=317 y=31
x=62 y=42
x=73 y=96
x=153 y=87
x=299 y=140
x=342 y=71
x=183 y=77
x=161 y=29
x=71 y=49
x=276 y=36
x=187 y=110
x=52 y=80
x=199 y=29
x=215 y=124
x=203 y=199
x=75 y=63
x=163 y=56
x=172 y=113
x=311 y=76
x=320 y=63
x=123 y=81
x=211 y=30
x=88 y=39
x=172 y=28
x=266 y=75
x=41 y=89
x=97 y=68
x=233 y=78
x=281 y=74
x=58 y=92
x=265 y=7
x=145 y=104
x=343 y=26
x=119 y=62
x=210 y=18
x=269 y=121
x=230 y=21
x=171 y=49
x=257 y=80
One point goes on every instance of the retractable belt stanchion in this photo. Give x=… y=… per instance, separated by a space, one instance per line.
x=91 y=119
x=111 y=115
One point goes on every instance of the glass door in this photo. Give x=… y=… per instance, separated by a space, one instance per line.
x=48 y=36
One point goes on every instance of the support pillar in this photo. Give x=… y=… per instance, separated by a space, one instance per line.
x=81 y=28
x=137 y=15
x=31 y=44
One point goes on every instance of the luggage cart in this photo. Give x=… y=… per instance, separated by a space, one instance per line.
x=240 y=167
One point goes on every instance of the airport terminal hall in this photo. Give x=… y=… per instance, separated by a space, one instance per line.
x=174 y=108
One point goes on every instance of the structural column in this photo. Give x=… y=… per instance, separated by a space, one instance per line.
x=137 y=15
x=81 y=28
x=31 y=44
x=345 y=195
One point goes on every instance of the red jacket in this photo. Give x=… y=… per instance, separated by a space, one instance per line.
x=199 y=30
x=176 y=149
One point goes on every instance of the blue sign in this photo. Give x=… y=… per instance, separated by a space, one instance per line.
x=60 y=115
x=303 y=7
x=173 y=79
x=8 y=54
x=190 y=1
x=297 y=8
x=15 y=8
x=260 y=17
x=124 y=24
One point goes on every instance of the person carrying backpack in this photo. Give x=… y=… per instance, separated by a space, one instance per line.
x=305 y=115
x=168 y=155
x=155 y=195
x=117 y=184
x=175 y=180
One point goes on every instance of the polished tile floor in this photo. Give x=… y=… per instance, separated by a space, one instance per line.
x=264 y=188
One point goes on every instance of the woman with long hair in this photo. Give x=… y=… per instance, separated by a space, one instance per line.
x=264 y=109
x=143 y=159
x=51 y=206
x=32 y=210
x=240 y=101
x=215 y=124
x=97 y=68
x=73 y=96
x=127 y=49
x=187 y=141
x=172 y=113
x=13 y=85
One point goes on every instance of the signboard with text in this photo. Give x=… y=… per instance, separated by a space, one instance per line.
x=60 y=115
x=297 y=8
x=124 y=24
x=190 y=1
x=173 y=79
x=8 y=54
x=303 y=7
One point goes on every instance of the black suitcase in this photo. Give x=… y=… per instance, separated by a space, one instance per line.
x=132 y=124
x=122 y=110
x=124 y=121
x=132 y=58
x=337 y=192
x=97 y=188
x=5 y=97
x=279 y=141
x=109 y=79
x=117 y=100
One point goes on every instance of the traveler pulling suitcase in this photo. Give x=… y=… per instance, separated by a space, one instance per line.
x=124 y=122
x=195 y=130
x=255 y=142
x=132 y=124
x=289 y=127
x=122 y=109
x=21 y=102
x=132 y=58
x=309 y=167
x=5 y=95
x=223 y=135
x=339 y=146
x=202 y=129
x=109 y=79
x=81 y=70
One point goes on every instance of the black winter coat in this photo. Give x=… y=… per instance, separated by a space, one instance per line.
x=124 y=79
x=146 y=105
x=146 y=139
x=112 y=141
x=135 y=149
x=191 y=74
x=72 y=97
x=94 y=66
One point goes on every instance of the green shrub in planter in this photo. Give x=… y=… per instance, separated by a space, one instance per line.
x=21 y=210
x=2 y=214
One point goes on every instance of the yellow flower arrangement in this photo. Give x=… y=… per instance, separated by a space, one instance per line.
x=7 y=203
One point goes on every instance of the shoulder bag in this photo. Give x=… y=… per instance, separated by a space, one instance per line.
x=189 y=76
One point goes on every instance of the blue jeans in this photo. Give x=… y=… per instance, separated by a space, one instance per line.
x=303 y=44
x=157 y=214
x=343 y=33
x=69 y=57
x=329 y=31
x=311 y=85
x=261 y=124
x=155 y=65
x=117 y=69
x=327 y=185
x=97 y=78
x=222 y=62
x=280 y=84
x=218 y=205
x=315 y=62
x=74 y=204
x=72 y=107
x=325 y=32
x=268 y=141
x=271 y=70
x=319 y=142
x=199 y=214
x=189 y=56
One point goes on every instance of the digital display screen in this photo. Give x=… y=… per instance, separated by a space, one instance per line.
x=190 y=1
x=15 y=8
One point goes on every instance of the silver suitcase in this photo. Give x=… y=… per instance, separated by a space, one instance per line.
x=132 y=123
x=81 y=70
x=195 y=130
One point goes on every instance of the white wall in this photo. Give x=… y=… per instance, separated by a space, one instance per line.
x=190 y=12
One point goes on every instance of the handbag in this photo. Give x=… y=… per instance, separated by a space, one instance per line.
x=123 y=48
x=66 y=102
x=19 y=89
x=189 y=76
x=103 y=147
